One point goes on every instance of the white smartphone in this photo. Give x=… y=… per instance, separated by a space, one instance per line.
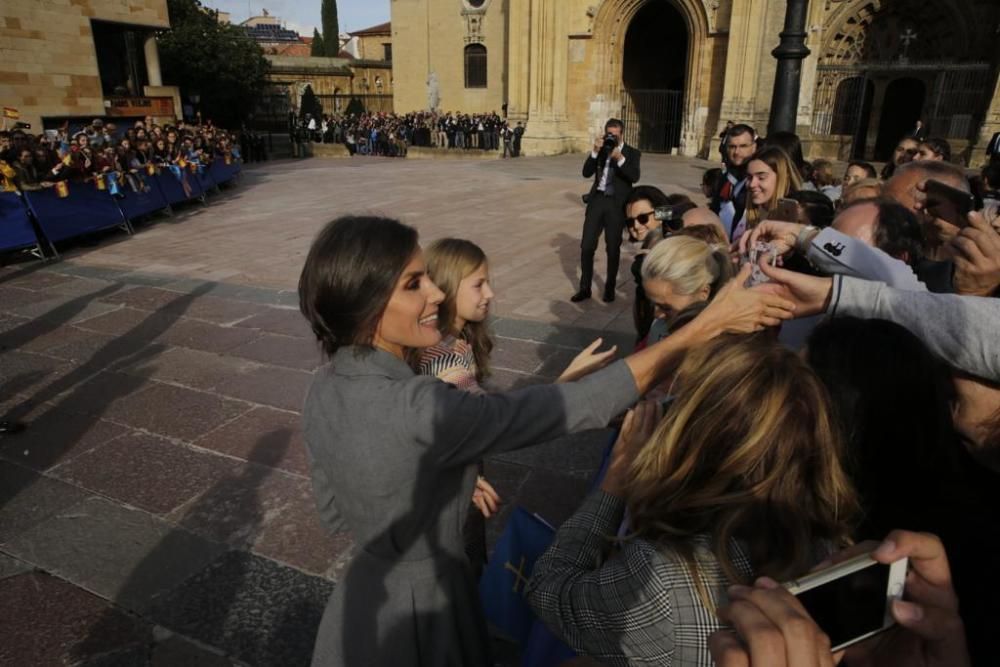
x=851 y=601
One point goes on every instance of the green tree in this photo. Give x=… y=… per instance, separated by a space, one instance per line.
x=331 y=29
x=310 y=104
x=317 y=45
x=219 y=62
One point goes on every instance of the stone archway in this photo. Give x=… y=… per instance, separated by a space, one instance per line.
x=610 y=30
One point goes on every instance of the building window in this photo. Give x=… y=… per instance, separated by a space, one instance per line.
x=387 y=52
x=475 y=66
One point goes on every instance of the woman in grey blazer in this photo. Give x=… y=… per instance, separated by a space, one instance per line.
x=393 y=453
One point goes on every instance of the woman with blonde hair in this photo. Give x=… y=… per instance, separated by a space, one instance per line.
x=460 y=270
x=771 y=175
x=679 y=271
x=742 y=478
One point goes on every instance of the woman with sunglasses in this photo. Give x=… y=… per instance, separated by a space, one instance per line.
x=644 y=228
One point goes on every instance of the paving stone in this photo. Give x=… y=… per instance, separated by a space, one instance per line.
x=255 y=609
x=124 y=321
x=85 y=392
x=204 y=336
x=281 y=321
x=218 y=310
x=47 y=621
x=146 y=472
x=281 y=351
x=503 y=380
x=55 y=436
x=10 y=566
x=65 y=309
x=283 y=388
x=27 y=373
x=142 y=297
x=82 y=346
x=27 y=498
x=40 y=281
x=192 y=368
x=12 y=298
x=524 y=356
x=122 y=554
x=175 y=412
x=177 y=651
x=553 y=496
x=244 y=438
x=267 y=510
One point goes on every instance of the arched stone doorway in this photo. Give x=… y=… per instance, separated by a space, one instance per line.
x=694 y=63
x=903 y=106
x=654 y=69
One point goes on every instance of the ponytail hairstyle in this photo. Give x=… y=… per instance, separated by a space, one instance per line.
x=449 y=261
x=688 y=264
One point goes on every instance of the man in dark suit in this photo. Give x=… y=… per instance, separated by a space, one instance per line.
x=919 y=132
x=614 y=168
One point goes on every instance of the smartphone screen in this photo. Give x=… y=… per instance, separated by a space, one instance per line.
x=850 y=607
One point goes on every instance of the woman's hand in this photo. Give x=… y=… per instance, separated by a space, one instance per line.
x=485 y=497
x=738 y=309
x=639 y=424
x=809 y=294
x=781 y=235
x=588 y=361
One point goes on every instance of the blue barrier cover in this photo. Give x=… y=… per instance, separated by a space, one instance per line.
x=15 y=226
x=222 y=172
x=136 y=204
x=86 y=209
x=173 y=189
x=205 y=179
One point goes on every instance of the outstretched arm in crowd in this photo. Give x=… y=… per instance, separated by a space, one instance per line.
x=773 y=629
x=962 y=330
x=834 y=253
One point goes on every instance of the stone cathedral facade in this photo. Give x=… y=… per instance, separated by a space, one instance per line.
x=677 y=70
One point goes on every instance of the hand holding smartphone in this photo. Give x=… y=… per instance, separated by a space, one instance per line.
x=851 y=601
x=948 y=203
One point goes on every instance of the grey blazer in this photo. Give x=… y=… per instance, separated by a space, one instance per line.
x=393 y=460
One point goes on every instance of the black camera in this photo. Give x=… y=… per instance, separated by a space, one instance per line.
x=22 y=126
x=610 y=142
x=671 y=217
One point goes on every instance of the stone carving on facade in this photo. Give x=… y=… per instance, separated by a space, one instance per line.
x=474 y=17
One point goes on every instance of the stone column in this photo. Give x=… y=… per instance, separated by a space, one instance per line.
x=546 y=130
x=518 y=59
x=748 y=22
x=152 y=62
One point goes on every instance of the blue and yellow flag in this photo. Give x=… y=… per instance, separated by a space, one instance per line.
x=502 y=586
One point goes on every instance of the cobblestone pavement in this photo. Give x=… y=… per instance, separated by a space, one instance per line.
x=158 y=510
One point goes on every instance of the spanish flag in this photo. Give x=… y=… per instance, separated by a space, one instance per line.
x=181 y=162
x=62 y=189
x=151 y=169
x=99 y=181
x=67 y=160
x=11 y=113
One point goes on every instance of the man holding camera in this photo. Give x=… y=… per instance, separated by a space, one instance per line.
x=614 y=168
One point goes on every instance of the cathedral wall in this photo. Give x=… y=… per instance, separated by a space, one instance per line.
x=430 y=36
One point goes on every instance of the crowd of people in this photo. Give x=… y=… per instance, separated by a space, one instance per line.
x=110 y=156
x=816 y=375
x=391 y=134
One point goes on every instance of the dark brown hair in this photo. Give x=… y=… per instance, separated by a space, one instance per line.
x=349 y=275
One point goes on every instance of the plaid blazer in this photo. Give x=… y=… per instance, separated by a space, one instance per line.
x=636 y=606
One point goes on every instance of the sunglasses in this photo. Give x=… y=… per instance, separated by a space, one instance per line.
x=642 y=218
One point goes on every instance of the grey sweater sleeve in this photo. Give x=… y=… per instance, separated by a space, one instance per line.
x=962 y=330
x=836 y=253
x=462 y=427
